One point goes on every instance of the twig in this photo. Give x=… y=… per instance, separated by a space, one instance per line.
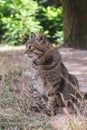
x=75 y=107
x=65 y=109
x=73 y=86
x=73 y=96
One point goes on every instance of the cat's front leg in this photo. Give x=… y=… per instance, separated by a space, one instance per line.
x=51 y=99
x=51 y=106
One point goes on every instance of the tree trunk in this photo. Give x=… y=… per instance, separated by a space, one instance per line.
x=75 y=23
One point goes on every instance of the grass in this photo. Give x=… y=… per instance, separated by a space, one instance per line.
x=16 y=99
x=15 y=96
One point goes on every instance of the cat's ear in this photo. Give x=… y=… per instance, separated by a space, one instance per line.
x=41 y=39
x=32 y=35
x=44 y=39
x=31 y=39
x=47 y=42
x=41 y=35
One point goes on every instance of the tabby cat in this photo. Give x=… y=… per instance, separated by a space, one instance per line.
x=47 y=66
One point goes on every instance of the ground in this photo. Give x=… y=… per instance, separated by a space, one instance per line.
x=15 y=87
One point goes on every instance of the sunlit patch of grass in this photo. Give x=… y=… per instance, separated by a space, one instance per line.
x=60 y=122
x=17 y=120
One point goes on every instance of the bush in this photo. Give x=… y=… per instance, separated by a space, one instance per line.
x=51 y=20
x=20 y=17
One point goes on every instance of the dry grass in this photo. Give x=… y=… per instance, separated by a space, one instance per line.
x=15 y=96
x=16 y=99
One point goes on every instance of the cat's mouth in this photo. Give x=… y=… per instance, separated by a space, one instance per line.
x=30 y=56
x=26 y=55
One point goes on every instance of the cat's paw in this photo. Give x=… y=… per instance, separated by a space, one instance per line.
x=35 y=108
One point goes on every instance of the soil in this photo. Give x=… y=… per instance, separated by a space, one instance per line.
x=76 y=63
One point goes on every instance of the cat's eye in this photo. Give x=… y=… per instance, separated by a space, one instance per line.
x=31 y=48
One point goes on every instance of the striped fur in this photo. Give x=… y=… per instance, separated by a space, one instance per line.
x=47 y=66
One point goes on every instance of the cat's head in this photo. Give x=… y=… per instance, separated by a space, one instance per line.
x=36 y=46
x=35 y=49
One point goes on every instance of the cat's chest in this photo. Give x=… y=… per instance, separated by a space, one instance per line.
x=39 y=83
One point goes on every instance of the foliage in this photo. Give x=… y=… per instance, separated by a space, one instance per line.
x=53 y=3
x=18 y=18
x=51 y=20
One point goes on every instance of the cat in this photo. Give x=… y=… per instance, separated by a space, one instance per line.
x=47 y=68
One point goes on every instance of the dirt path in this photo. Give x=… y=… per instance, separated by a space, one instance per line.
x=76 y=62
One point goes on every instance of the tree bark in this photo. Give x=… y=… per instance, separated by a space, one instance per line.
x=75 y=23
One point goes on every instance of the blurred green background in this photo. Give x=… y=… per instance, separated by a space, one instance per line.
x=20 y=17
